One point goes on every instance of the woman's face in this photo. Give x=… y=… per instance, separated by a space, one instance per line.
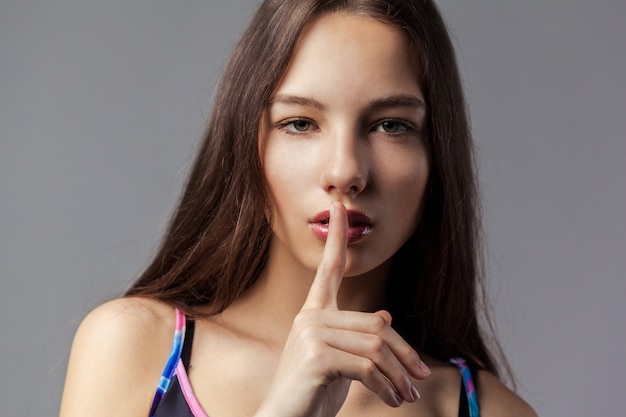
x=345 y=124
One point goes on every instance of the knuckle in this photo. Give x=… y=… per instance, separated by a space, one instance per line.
x=368 y=368
x=409 y=356
x=300 y=319
x=377 y=345
x=378 y=324
x=303 y=319
x=328 y=267
x=324 y=268
x=309 y=334
x=313 y=354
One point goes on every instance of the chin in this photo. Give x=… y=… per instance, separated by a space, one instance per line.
x=358 y=268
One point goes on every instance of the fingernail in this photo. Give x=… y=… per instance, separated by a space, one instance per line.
x=415 y=393
x=398 y=398
x=424 y=368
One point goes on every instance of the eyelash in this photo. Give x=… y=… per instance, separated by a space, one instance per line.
x=405 y=126
x=285 y=126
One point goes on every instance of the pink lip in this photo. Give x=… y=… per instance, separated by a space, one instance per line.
x=359 y=225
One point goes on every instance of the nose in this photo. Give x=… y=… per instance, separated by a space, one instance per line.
x=345 y=165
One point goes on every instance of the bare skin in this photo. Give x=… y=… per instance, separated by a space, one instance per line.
x=120 y=349
x=311 y=337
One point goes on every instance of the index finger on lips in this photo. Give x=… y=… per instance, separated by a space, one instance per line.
x=325 y=286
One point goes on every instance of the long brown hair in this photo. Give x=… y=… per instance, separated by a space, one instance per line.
x=218 y=239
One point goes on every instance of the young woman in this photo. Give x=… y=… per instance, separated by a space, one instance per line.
x=325 y=248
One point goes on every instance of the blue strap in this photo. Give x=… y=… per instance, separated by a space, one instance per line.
x=172 y=362
x=468 y=384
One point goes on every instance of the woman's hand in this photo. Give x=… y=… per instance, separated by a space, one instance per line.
x=327 y=348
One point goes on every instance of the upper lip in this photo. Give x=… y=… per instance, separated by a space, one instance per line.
x=355 y=218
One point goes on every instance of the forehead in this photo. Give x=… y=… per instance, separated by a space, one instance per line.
x=351 y=52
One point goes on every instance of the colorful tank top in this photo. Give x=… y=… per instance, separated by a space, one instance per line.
x=174 y=396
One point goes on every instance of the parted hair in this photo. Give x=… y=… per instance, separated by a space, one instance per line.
x=217 y=241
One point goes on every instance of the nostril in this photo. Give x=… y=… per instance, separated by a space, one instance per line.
x=345 y=173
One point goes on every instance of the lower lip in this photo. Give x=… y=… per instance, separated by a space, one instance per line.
x=355 y=233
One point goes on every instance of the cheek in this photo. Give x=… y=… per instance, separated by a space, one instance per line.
x=405 y=172
x=411 y=200
x=286 y=175
x=406 y=181
x=283 y=172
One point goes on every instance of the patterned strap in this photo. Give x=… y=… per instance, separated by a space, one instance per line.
x=468 y=384
x=172 y=362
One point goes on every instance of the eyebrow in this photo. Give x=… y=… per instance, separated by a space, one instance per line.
x=399 y=100
x=297 y=100
x=396 y=100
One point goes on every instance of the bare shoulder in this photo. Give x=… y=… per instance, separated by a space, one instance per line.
x=129 y=315
x=497 y=400
x=117 y=356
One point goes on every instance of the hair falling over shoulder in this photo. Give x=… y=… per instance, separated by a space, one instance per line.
x=217 y=242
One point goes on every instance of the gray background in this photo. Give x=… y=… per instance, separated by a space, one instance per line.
x=102 y=103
